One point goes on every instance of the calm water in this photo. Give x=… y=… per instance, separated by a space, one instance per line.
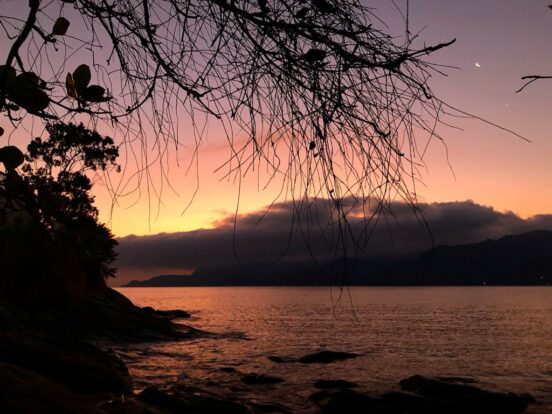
x=502 y=337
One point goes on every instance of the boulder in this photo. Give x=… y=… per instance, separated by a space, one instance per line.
x=278 y=360
x=154 y=397
x=170 y=314
x=80 y=366
x=269 y=408
x=25 y=391
x=335 y=384
x=347 y=401
x=413 y=403
x=462 y=398
x=326 y=357
x=260 y=379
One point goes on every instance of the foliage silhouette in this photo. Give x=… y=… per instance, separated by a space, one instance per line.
x=326 y=100
x=315 y=94
x=48 y=223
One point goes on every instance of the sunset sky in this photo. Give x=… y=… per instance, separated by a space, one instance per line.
x=508 y=178
x=497 y=42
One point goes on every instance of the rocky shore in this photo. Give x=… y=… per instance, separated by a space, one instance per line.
x=61 y=360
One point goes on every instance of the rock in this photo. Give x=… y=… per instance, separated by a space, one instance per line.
x=278 y=360
x=435 y=388
x=154 y=397
x=329 y=384
x=319 y=396
x=169 y=314
x=260 y=379
x=52 y=361
x=269 y=408
x=464 y=398
x=204 y=402
x=413 y=403
x=483 y=402
x=25 y=391
x=355 y=402
x=80 y=366
x=325 y=357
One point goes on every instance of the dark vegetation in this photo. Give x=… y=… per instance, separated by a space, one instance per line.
x=51 y=245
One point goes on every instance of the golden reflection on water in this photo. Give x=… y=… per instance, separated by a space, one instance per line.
x=500 y=336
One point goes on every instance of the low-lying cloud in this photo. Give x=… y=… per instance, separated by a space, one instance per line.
x=293 y=232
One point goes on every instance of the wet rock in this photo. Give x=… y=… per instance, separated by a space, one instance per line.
x=169 y=314
x=326 y=357
x=335 y=384
x=413 y=403
x=465 y=398
x=462 y=380
x=279 y=360
x=269 y=408
x=204 y=402
x=319 y=396
x=435 y=388
x=260 y=379
x=355 y=402
x=154 y=397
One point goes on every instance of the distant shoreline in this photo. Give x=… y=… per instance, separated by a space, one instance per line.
x=143 y=284
x=516 y=260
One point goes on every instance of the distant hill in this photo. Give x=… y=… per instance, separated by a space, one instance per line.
x=160 y=281
x=523 y=259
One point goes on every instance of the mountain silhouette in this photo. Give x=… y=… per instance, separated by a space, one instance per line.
x=523 y=259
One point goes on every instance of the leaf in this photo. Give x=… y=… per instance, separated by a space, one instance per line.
x=95 y=93
x=263 y=6
x=70 y=86
x=9 y=73
x=81 y=77
x=301 y=14
x=314 y=55
x=40 y=101
x=32 y=100
x=11 y=157
x=60 y=26
x=324 y=6
x=26 y=80
x=26 y=92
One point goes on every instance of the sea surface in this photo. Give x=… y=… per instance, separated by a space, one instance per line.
x=499 y=336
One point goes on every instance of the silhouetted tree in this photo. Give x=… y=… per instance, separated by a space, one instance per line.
x=329 y=102
x=49 y=232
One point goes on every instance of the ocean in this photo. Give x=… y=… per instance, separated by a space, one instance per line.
x=500 y=337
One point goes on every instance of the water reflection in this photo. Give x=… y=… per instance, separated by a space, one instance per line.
x=500 y=336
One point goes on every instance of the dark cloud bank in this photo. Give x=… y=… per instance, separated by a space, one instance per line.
x=290 y=235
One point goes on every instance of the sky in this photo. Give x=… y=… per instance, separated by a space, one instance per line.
x=497 y=42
